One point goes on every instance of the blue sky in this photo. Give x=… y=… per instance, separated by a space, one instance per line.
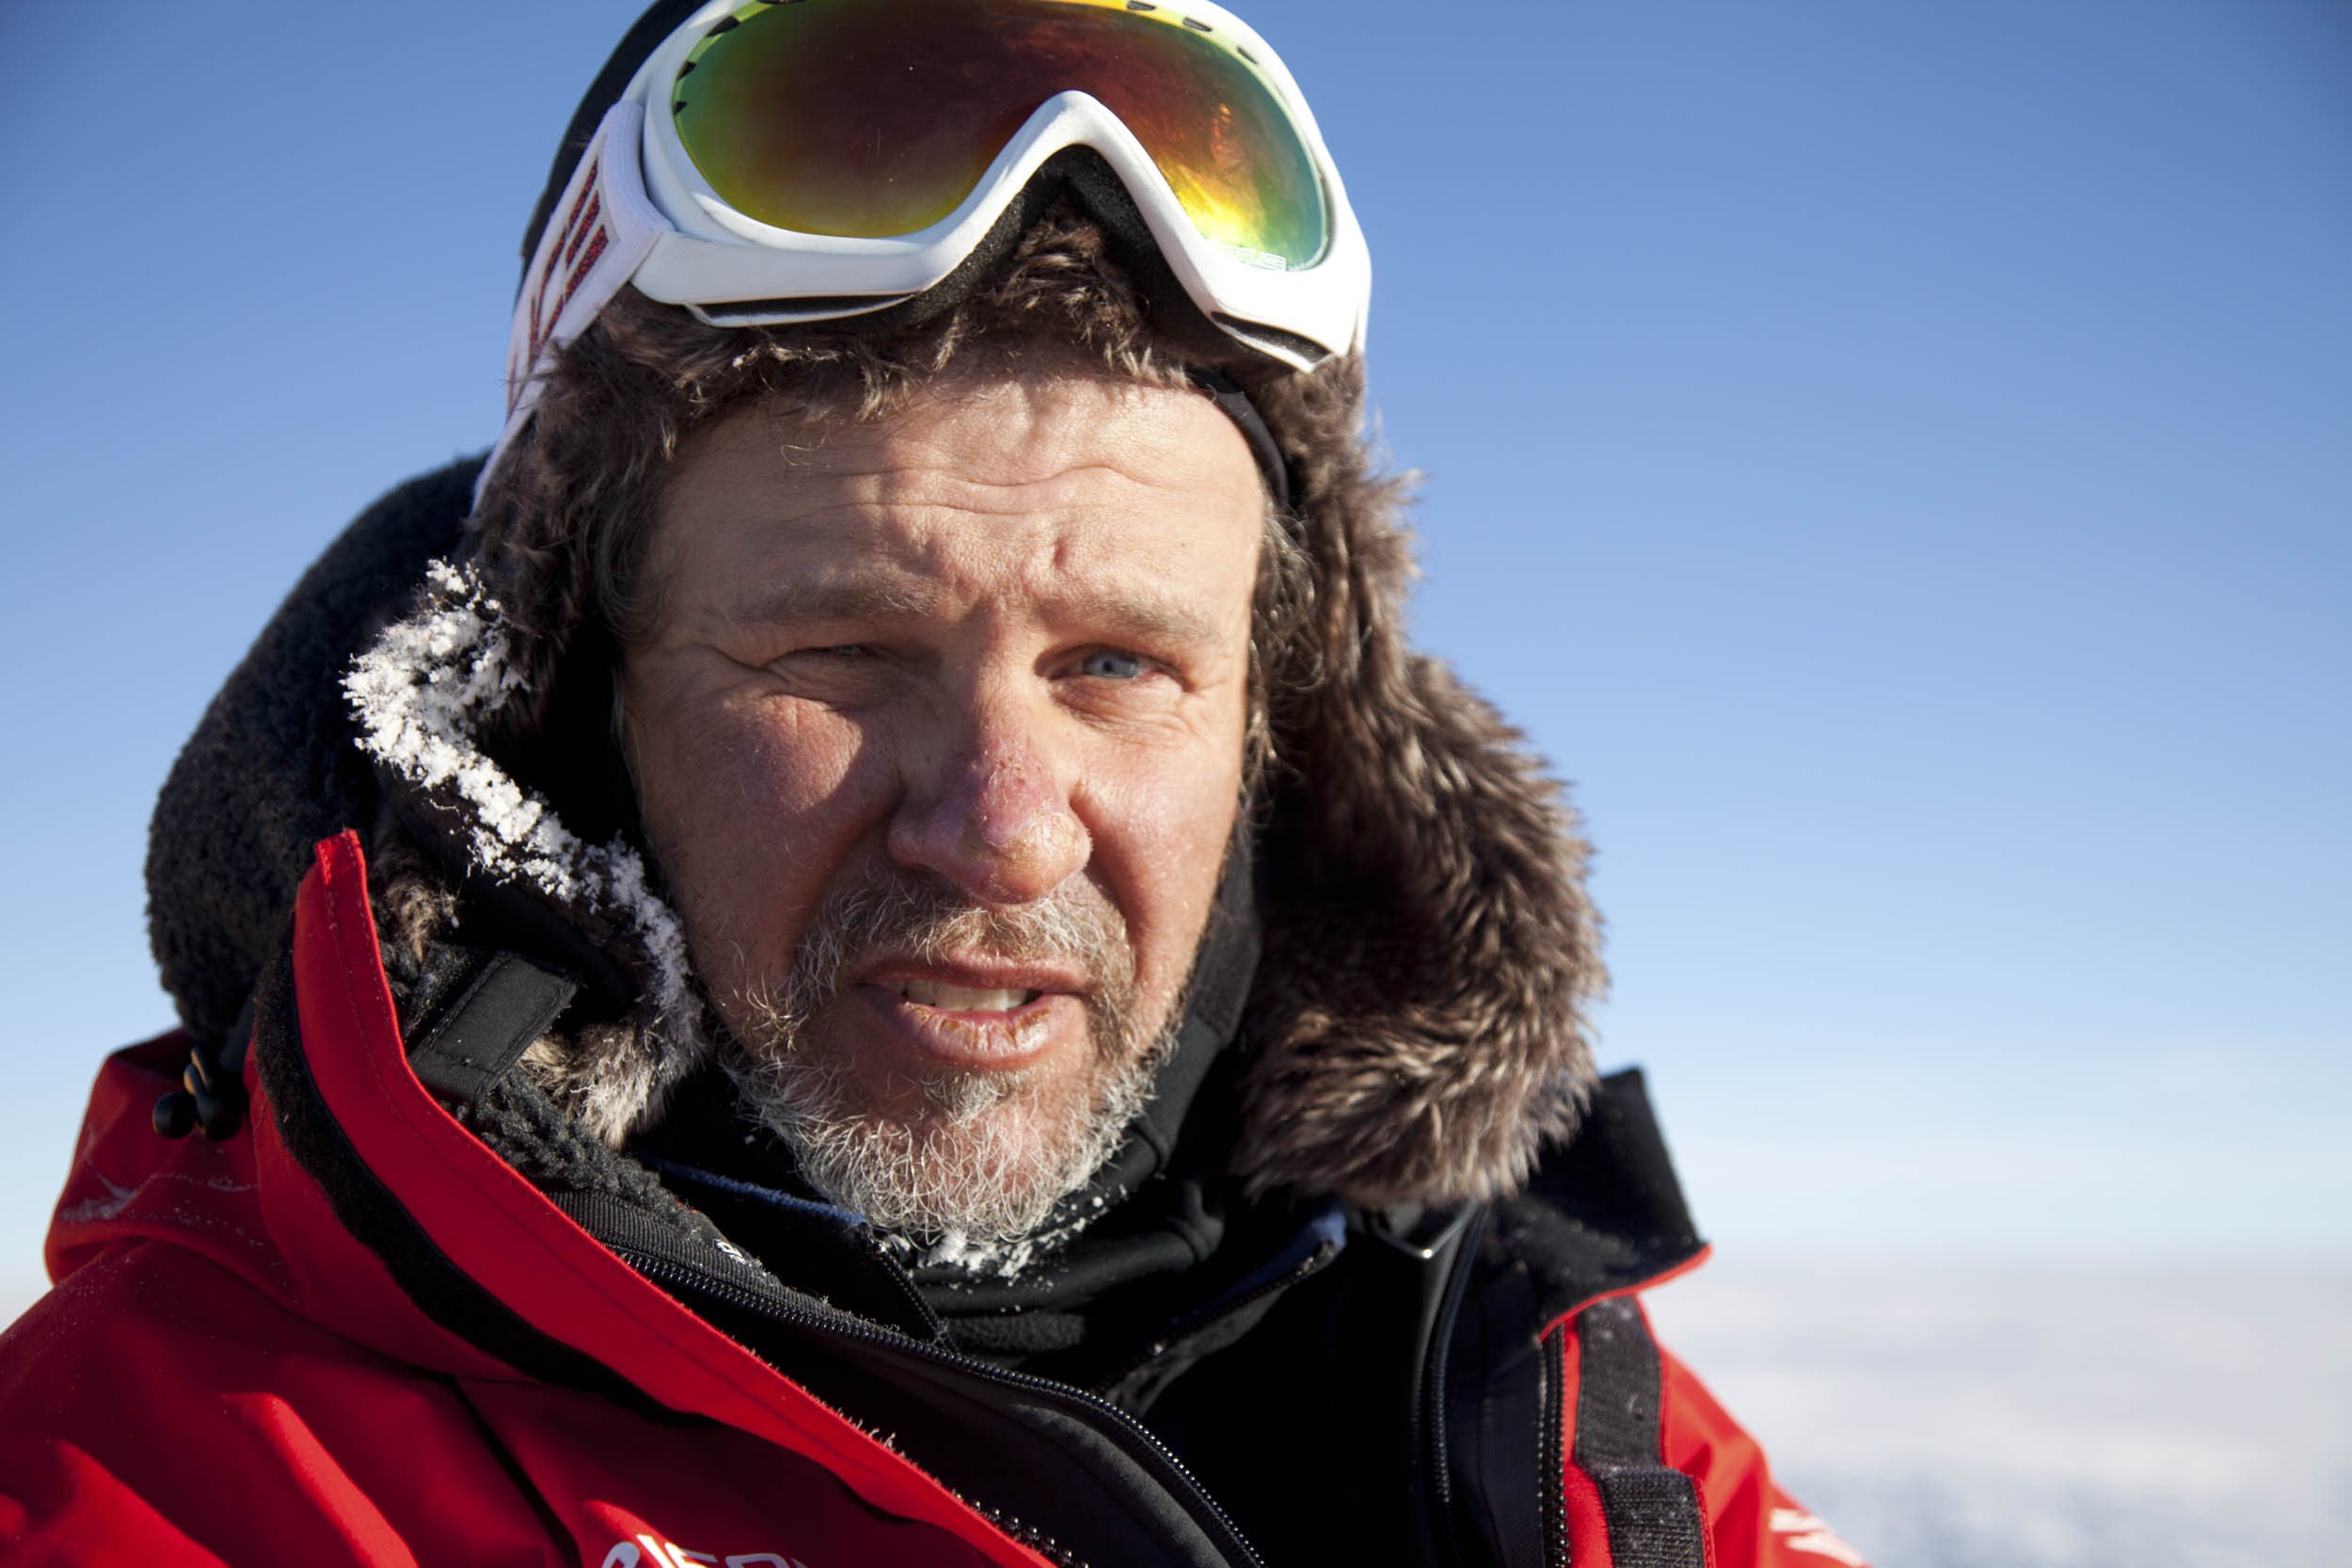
x=1895 y=459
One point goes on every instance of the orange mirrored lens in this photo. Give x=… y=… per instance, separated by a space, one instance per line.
x=877 y=118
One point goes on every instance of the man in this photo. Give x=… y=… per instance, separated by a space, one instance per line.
x=865 y=945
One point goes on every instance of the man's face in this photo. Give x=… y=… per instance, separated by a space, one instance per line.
x=938 y=743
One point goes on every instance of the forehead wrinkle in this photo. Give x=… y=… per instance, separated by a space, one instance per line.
x=939 y=539
x=935 y=438
x=873 y=591
x=950 y=485
x=1026 y=445
x=918 y=558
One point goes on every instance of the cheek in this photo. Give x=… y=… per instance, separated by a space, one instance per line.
x=751 y=807
x=1160 y=834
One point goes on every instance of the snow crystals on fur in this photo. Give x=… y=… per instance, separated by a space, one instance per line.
x=420 y=694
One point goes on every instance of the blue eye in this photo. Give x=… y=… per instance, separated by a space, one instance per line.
x=1111 y=666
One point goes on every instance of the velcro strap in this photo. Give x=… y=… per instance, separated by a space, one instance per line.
x=506 y=1005
x=1652 y=1509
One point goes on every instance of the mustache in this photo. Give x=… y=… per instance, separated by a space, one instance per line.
x=990 y=1155
x=910 y=914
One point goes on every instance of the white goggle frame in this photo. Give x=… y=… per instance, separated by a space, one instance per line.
x=637 y=210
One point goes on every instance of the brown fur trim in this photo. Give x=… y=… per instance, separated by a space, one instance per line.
x=1418 y=1021
x=413 y=901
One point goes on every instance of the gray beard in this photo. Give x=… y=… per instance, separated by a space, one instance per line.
x=976 y=1176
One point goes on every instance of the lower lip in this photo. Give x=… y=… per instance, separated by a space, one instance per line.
x=975 y=1042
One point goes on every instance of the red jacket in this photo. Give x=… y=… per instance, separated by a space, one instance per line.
x=226 y=1374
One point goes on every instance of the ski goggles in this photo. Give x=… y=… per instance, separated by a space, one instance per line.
x=808 y=160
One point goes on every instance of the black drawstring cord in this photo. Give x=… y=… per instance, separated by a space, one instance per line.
x=212 y=1088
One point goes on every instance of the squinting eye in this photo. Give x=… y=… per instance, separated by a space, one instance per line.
x=1112 y=667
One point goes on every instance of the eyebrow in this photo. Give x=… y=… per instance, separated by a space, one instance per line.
x=1146 y=616
x=854 y=600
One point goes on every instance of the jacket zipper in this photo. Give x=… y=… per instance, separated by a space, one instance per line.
x=664 y=1271
x=1027 y=1533
x=1553 y=1464
x=1430 y=1412
x=1312 y=1263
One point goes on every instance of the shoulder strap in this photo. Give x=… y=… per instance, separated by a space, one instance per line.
x=1615 y=1483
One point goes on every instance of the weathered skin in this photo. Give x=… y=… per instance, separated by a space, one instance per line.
x=1001 y=637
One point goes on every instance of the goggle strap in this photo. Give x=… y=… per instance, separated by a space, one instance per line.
x=644 y=37
x=598 y=233
x=1222 y=390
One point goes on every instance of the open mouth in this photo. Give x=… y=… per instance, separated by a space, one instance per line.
x=961 y=999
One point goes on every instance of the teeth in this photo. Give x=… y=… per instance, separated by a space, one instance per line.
x=961 y=999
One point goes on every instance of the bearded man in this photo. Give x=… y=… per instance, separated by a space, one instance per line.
x=865 y=945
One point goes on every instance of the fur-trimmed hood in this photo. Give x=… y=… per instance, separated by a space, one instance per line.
x=1416 y=1028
